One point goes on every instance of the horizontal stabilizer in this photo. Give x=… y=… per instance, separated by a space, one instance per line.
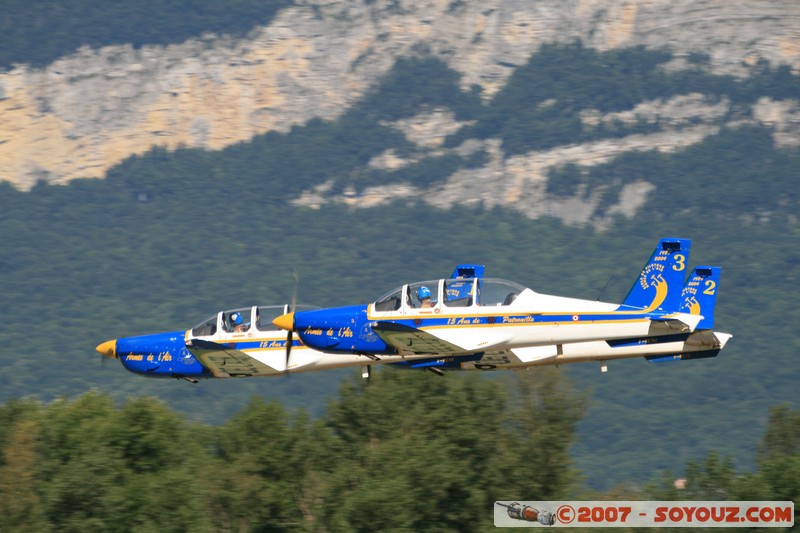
x=677 y=323
x=682 y=356
x=703 y=344
x=706 y=338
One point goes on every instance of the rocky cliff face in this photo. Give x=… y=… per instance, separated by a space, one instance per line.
x=86 y=112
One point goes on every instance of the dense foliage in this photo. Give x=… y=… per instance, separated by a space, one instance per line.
x=37 y=33
x=406 y=453
x=777 y=477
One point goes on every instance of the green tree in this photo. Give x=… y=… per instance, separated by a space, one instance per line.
x=542 y=418
x=422 y=453
x=777 y=477
x=20 y=503
x=252 y=452
x=133 y=469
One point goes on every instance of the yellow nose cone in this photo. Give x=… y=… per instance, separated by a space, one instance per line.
x=285 y=321
x=108 y=348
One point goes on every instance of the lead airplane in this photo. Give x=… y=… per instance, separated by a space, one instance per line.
x=473 y=322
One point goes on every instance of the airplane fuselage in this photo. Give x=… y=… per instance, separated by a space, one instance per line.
x=531 y=320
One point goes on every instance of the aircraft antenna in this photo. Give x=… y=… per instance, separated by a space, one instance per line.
x=600 y=295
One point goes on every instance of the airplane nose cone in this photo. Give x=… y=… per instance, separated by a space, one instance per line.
x=108 y=349
x=285 y=321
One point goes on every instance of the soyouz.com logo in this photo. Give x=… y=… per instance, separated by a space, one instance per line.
x=520 y=513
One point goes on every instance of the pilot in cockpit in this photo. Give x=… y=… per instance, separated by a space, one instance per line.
x=238 y=323
x=424 y=295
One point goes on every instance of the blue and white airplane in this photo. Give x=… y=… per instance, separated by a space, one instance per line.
x=472 y=322
x=464 y=322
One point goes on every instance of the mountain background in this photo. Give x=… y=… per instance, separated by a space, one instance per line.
x=159 y=163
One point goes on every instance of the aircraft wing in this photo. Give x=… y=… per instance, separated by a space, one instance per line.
x=226 y=362
x=413 y=341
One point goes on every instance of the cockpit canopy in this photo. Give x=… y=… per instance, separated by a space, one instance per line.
x=458 y=292
x=244 y=319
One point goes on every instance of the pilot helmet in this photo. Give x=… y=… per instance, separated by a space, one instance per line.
x=423 y=292
x=236 y=319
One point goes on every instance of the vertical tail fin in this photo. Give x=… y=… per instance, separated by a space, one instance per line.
x=659 y=284
x=699 y=295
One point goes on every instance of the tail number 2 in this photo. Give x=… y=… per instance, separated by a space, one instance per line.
x=711 y=287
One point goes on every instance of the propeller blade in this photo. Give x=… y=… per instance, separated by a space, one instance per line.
x=296 y=277
x=288 y=351
x=289 y=339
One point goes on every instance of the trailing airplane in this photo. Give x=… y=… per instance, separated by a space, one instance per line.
x=466 y=322
x=472 y=322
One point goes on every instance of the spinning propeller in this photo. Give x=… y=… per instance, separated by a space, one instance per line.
x=290 y=311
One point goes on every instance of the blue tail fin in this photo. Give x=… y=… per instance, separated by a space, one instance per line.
x=699 y=295
x=659 y=284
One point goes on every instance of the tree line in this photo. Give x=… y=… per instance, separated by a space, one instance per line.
x=408 y=451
